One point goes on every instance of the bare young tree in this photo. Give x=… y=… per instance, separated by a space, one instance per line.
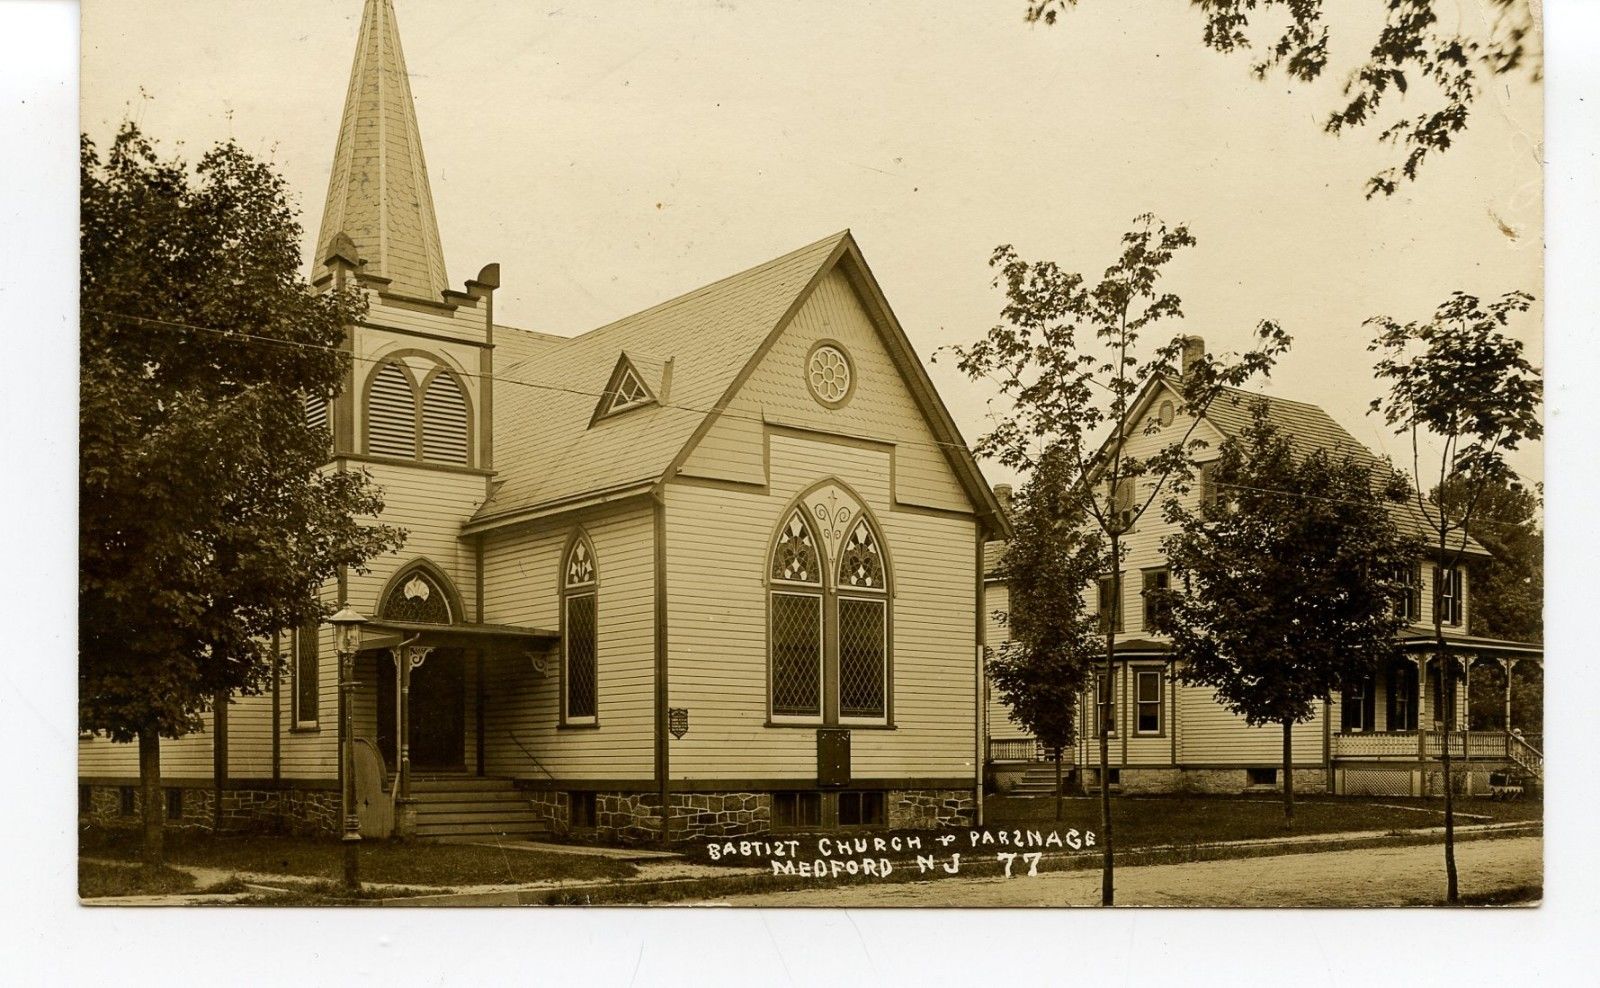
x=1071 y=359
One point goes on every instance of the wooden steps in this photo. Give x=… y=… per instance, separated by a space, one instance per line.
x=1040 y=779
x=473 y=806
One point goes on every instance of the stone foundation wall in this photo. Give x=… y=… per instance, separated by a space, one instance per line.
x=293 y=811
x=930 y=809
x=553 y=806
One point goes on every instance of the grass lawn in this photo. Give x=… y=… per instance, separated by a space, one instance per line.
x=1151 y=821
x=97 y=880
x=382 y=861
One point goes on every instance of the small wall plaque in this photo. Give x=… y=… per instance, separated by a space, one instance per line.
x=678 y=721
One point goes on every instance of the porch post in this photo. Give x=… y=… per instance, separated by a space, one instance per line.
x=409 y=657
x=1424 y=717
x=1508 y=665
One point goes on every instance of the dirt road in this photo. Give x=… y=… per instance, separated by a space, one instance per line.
x=1386 y=876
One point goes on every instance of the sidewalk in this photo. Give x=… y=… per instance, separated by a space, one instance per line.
x=664 y=868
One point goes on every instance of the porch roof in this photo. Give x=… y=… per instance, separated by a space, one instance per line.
x=383 y=633
x=1423 y=641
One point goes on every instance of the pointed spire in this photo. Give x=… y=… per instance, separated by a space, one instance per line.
x=378 y=194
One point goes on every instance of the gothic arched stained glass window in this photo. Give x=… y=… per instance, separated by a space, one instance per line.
x=580 y=691
x=860 y=561
x=419 y=599
x=795 y=558
x=863 y=625
x=795 y=622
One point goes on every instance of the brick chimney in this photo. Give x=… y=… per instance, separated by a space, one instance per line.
x=1002 y=493
x=1194 y=348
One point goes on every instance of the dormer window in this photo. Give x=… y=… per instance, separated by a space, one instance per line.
x=626 y=390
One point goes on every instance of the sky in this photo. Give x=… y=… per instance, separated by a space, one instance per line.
x=611 y=156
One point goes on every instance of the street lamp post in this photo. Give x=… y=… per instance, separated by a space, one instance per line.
x=347 y=642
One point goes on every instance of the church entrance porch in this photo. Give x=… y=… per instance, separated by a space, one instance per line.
x=438 y=715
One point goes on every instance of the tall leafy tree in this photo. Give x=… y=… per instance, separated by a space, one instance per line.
x=1284 y=581
x=1464 y=393
x=1070 y=357
x=1415 y=45
x=1051 y=641
x=205 y=523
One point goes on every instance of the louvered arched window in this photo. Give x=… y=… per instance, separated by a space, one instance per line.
x=580 y=689
x=392 y=413
x=444 y=420
x=429 y=421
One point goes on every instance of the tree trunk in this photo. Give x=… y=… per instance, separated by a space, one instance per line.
x=150 y=786
x=1058 y=782
x=1107 y=862
x=1447 y=696
x=1288 y=775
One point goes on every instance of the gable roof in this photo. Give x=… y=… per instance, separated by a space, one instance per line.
x=708 y=341
x=1308 y=428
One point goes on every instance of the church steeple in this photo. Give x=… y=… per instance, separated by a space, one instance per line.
x=378 y=194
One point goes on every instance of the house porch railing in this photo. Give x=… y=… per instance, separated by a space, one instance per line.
x=1017 y=750
x=1429 y=745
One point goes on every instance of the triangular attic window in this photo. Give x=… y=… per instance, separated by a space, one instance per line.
x=626 y=390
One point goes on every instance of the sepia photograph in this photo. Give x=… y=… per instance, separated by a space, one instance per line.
x=1037 y=454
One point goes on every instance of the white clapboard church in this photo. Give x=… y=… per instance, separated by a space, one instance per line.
x=724 y=552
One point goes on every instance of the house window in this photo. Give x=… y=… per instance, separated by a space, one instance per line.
x=1356 y=707
x=861 y=809
x=1109 y=607
x=174 y=804
x=1208 y=485
x=1447 y=593
x=1147 y=689
x=1408 y=596
x=1155 y=581
x=125 y=801
x=306 y=685
x=828 y=662
x=579 y=642
x=1122 y=504
x=1105 y=705
x=1402 y=697
x=428 y=420
x=796 y=810
x=581 y=810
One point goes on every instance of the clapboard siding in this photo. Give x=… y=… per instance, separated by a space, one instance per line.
x=521 y=705
x=1212 y=735
x=188 y=757
x=717 y=546
x=880 y=407
x=997 y=716
x=465 y=323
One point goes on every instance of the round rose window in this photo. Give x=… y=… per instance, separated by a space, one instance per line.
x=828 y=373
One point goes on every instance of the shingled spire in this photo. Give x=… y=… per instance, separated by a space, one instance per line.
x=378 y=194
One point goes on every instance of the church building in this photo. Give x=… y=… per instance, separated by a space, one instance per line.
x=723 y=555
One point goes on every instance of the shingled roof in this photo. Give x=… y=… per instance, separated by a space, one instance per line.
x=1308 y=427
x=550 y=448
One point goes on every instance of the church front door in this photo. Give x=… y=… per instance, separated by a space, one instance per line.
x=438 y=713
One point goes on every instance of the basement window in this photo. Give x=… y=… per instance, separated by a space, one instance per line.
x=85 y=800
x=861 y=809
x=796 y=810
x=174 y=804
x=125 y=800
x=581 y=810
x=1261 y=776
